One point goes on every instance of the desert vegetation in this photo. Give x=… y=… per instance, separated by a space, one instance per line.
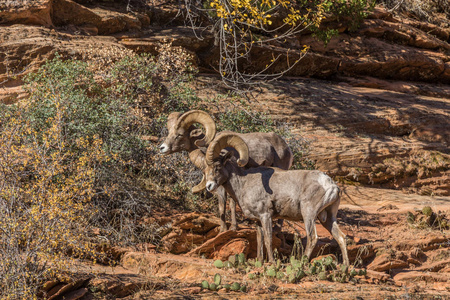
x=77 y=158
x=85 y=192
x=240 y=26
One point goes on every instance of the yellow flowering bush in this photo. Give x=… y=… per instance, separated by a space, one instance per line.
x=45 y=201
x=73 y=156
x=241 y=25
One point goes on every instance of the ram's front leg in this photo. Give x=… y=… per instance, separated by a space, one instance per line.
x=259 y=242
x=233 y=215
x=266 y=223
x=222 y=197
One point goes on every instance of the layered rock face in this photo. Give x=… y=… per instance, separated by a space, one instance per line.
x=382 y=121
x=384 y=47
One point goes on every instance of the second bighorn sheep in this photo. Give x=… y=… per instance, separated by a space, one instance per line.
x=265 y=149
x=264 y=193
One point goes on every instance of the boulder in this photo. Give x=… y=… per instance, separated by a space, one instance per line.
x=375 y=276
x=103 y=21
x=233 y=247
x=29 y=12
x=229 y=239
x=412 y=277
x=386 y=262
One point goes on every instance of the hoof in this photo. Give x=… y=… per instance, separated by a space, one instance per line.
x=233 y=228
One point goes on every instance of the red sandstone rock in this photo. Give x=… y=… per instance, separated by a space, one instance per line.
x=385 y=262
x=411 y=277
x=30 y=12
x=235 y=246
x=74 y=295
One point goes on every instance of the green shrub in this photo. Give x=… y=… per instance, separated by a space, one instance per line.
x=425 y=10
x=46 y=190
x=75 y=154
x=350 y=12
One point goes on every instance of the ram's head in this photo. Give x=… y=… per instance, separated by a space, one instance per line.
x=216 y=172
x=184 y=136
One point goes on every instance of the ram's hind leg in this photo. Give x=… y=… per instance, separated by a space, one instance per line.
x=331 y=225
x=311 y=235
x=277 y=229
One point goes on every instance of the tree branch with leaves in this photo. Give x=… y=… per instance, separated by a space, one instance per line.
x=240 y=26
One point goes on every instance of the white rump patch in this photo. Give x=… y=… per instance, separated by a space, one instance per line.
x=329 y=187
x=325 y=181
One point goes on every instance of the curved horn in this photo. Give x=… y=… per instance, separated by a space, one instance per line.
x=227 y=140
x=197 y=157
x=200 y=187
x=199 y=116
x=172 y=119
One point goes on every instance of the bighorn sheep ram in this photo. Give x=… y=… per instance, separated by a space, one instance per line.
x=264 y=193
x=265 y=149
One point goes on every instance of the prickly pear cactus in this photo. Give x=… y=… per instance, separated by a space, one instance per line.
x=205 y=284
x=218 y=264
x=278 y=264
x=241 y=258
x=217 y=279
x=280 y=275
x=271 y=272
x=305 y=260
x=300 y=274
x=235 y=286
x=258 y=264
x=233 y=259
x=322 y=275
x=427 y=211
x=327 y=261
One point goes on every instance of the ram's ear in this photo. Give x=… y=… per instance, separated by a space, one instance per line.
x=196 y=133
x=199 y=136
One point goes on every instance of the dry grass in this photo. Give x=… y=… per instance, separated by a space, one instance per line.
x=433 y=11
